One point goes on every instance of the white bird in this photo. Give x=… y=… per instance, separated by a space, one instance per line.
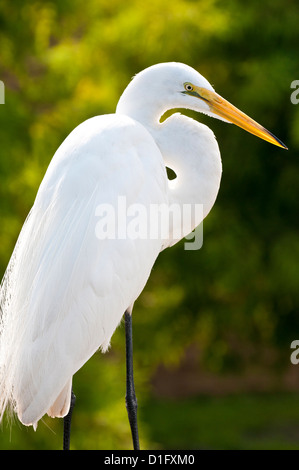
x=66 y=289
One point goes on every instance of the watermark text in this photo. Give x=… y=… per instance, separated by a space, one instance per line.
x=168 y=223
x=295 y=93
x=2 y=92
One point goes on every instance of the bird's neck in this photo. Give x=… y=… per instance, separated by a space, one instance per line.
x=148 y=112
x=191 y=151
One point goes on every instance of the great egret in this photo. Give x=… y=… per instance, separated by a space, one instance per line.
x=66 y=289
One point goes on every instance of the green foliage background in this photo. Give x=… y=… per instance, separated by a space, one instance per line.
x=228 y=310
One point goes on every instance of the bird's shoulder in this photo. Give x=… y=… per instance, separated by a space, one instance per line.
x=107 y=151
x=108 y=132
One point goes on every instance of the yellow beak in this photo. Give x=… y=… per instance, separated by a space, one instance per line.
x=226 y=110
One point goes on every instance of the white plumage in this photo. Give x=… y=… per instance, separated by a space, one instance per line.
x=65 y=290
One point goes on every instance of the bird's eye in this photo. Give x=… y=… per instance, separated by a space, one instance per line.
x=188 y=87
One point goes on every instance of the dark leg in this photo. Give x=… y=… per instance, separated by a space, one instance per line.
x=131 y=401
x=67 y=424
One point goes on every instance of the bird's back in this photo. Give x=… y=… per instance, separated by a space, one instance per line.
x=67 y=286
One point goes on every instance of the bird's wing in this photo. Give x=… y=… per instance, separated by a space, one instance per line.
x=67 y=286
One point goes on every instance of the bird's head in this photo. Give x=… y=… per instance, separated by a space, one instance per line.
x=174 y=85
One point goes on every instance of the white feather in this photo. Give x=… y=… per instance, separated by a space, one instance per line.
x=65 y=290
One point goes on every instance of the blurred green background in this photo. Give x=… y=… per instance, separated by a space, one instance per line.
x=213 y=328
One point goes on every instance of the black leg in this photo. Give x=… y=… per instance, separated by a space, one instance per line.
x=67 y=424
x=131 y=401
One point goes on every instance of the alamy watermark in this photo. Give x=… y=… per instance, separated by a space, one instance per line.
x=2 y=92
x=294 y=358
x=150 y=222
x=295 y=94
